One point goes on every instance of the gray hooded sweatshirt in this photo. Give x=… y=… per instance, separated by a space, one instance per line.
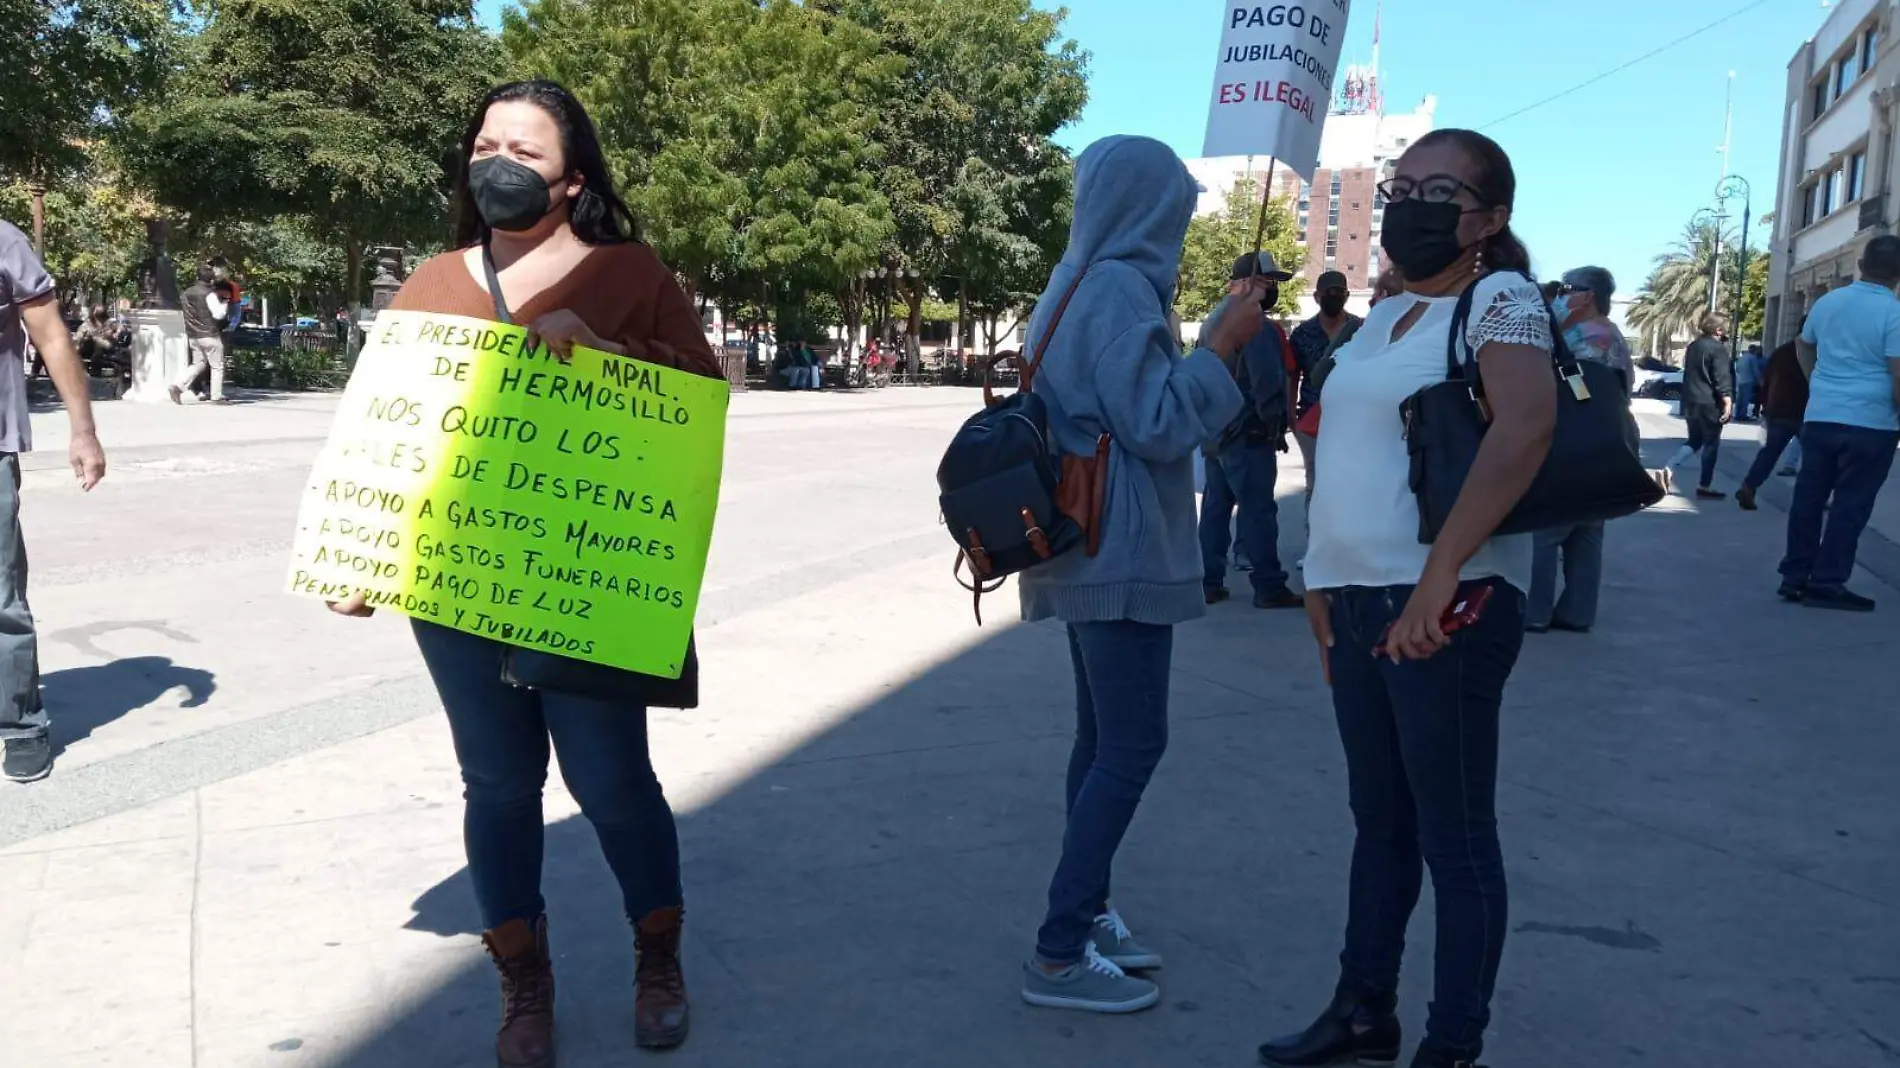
x=1113 y=366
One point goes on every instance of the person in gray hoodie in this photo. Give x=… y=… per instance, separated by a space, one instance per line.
x=1113 y=366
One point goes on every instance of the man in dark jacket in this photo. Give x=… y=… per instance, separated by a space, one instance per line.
x=205 y=312
x=1708 y=401
x=1784 y=403
x=1243 y=465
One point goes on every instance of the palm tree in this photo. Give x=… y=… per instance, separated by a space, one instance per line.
x=1676 y=294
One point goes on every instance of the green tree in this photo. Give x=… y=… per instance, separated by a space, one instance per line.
x=741 y=131
x=94 y=229
x=1754 y=295
x=69 y=69
x=968 y=122
x=1215 y=241
x=1676 y=295
x=344 y=114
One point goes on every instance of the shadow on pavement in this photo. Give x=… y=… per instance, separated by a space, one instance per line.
x=81 y=700
x=1703 y=859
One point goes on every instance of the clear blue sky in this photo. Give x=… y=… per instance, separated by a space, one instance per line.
x=1608 y=175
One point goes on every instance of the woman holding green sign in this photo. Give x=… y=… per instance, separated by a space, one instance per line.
x=543 y=240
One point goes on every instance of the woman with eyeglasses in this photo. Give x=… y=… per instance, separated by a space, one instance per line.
x=537 y=217
x=1418 y=640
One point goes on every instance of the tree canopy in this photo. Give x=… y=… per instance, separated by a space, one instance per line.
x=342 y=114
x=1215 y=241
x=1676 y=294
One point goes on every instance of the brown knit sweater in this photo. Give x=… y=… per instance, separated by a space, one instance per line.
x=622 y=292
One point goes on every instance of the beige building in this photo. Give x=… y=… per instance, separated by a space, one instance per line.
x=1836 y=184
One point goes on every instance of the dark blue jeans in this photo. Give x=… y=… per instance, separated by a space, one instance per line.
x=1842 y=470
x=501 y=739
x=1121 y=730
x=1249 y=474
x=1780 y=433
x=1705 y=437
x=1421 y=741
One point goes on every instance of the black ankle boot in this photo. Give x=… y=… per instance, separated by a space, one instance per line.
x=1352 y=1030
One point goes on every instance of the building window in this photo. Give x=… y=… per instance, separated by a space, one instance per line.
x=1335 y=185
x=1869 y=47
x=1332 y=247
x=1332 y=215
x=1856 y=175
x=1819 y=101
x=1830 y=193
x=1809 y=201
x=1845 y=74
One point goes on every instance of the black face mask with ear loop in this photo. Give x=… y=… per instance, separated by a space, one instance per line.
x=510 y=195
x=1421 y=238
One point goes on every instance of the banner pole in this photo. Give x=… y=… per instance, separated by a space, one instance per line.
x=1266 y=198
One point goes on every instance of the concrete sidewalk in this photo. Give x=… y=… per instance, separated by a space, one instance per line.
x=1698 y=806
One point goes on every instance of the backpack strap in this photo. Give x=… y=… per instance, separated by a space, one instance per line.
x=1026 y=376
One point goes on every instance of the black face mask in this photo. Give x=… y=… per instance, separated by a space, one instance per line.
x=510 y=195
x=1332 y=304
x=1421 y=238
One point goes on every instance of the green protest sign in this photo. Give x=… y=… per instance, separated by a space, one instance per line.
x=561 y=507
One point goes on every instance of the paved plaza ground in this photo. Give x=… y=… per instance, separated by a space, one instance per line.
x=250 y=854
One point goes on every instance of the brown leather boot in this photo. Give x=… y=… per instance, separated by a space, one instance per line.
x=520 y=950
x=660 y=1012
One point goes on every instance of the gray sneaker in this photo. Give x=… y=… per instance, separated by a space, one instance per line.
x=1092 y=984
x=28 y=759
x=1114 y=940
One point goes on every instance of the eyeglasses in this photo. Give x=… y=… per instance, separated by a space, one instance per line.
x=1431 y=189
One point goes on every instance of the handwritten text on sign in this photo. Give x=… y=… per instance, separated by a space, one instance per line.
x=1273 y=84
x=468 y=482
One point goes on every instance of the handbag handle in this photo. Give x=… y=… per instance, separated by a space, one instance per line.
x=1563 y=361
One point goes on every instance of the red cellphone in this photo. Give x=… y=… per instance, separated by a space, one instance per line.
x=1464 y=612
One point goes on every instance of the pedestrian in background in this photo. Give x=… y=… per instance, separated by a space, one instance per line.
x=1247 y=452
x=205 y=311
x=1708 y=402
x=1582 y=312
x=1748 y=384
x=1850 y=346
x=29 y=309
x=1312 y=340
x=537 y=215
x=1418 y=701
x=1784 y=404
x=1111 y=364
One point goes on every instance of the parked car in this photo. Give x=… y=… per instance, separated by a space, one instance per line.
x=1662 y=385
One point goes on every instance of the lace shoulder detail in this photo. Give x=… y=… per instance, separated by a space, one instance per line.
x=1513 y=313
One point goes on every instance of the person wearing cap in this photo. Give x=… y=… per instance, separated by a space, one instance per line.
x=1247 y=452
x=1312 y=340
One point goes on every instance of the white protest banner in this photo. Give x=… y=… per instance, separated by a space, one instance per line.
x=1273 y=84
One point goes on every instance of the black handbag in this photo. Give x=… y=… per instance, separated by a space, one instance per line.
x=533 y=669
x=1594 y=471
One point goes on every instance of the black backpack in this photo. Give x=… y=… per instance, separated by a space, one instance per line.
x=999 y=483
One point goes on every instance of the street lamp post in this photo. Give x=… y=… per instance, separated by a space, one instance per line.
x=1712 y=218
x=1732 y=186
